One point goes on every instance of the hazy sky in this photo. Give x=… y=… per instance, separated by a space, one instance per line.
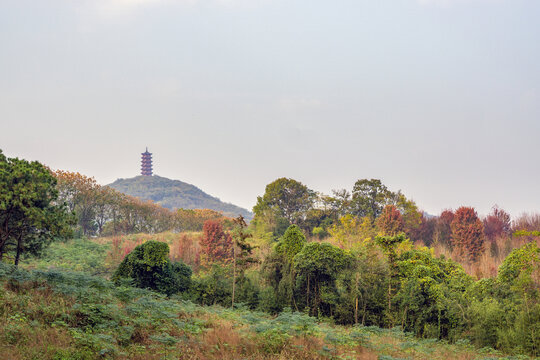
x=438 y=98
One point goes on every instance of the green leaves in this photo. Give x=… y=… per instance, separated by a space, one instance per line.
x=30 y=218
x=321 y=260
x=149 y=267
x=521 y=267
x=291 y=243
x=288 y=198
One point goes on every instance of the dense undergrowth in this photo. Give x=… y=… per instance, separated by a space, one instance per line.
x=60 y=314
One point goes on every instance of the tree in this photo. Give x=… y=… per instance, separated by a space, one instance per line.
x=317 y=267
x=390 y=221
x=216 y=244
x=351 y=231
x=389 y=245
x=521 y=269
x=278 y=266
x=148 y=267
x=467 y=233
x=363 y=288
x=292 y=242
x=369 y=197
x=443 y=232
x=80 y=193
x=430 y=299
x=425 y=232
x=338 y=204
x=412 y=217
x=30 y=215
x=241 y=251
x=289 y=198
x=497 y=223
x=193 y=220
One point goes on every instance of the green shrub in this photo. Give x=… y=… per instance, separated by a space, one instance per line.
x=213 y=287
x=148 y=266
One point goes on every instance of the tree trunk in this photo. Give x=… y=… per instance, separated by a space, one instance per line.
x=364 y=314
x=356 y=311
x=234 y=276
x=390 y=295
x=19 y=248
x=307 y=296
x=356 y=302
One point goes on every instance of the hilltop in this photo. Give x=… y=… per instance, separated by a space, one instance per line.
x=175 y=194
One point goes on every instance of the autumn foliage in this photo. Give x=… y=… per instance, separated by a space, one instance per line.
x=390 y=221
x=497 y=224
x=103 y=211
x=467 y=233
x=216 y=244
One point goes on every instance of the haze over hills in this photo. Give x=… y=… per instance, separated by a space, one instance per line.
x=175 y=194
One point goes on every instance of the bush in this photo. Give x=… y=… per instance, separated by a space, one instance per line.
x=148 y=267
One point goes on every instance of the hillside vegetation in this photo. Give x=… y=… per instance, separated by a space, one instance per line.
x=59 y=314
x=175 y=194
x=352 y=275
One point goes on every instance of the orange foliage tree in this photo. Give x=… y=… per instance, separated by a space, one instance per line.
x=467 y=233
x=193 y=220
x=390 y=221
x=216 y=244
x=79 y=193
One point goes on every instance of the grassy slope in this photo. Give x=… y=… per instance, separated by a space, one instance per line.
x=175 y=194
x=60 y=314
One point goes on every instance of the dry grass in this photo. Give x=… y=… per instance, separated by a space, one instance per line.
x=491 y=258
x=183 y=246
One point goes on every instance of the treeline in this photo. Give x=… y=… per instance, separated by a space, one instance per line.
x=345 y=218
x=103 y=211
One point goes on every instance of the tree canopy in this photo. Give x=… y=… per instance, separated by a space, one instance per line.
x=289 y=198
x=30 y=216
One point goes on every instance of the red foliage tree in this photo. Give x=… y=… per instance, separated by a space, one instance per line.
x=390 y=221
x=467 y=233
x=216 y=244
x=443 y=232
x=187 y=249
x=426 y=231
x=497 y=224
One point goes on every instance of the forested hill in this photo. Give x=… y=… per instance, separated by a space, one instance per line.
x=175 y=194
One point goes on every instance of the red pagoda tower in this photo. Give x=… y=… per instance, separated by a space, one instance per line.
x=146 y=163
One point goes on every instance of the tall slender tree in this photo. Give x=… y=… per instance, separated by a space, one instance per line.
x=467 y=233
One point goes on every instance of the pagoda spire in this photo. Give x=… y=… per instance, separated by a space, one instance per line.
x=146 y=163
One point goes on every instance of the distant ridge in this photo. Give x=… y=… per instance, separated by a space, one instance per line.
x=175 y=194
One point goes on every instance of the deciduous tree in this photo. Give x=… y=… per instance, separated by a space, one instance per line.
x=369 y=198
x=289 y=198
x=242 y=251
x=443 y=231
x=317 y=267
x=216 y=244
x=390 y=221
x=497 y=223
x=467 y=233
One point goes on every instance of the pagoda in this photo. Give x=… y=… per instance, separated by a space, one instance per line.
x=146 y=163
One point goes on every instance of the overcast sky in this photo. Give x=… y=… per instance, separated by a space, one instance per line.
x=438 y=98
